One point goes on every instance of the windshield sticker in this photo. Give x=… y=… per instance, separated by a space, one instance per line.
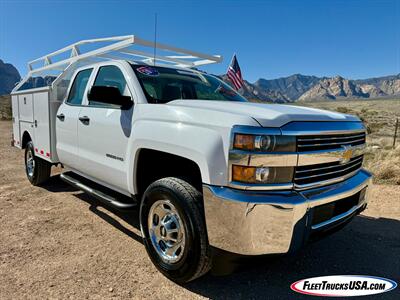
x=149 y=71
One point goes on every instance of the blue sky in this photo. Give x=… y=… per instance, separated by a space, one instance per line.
x=353 y=38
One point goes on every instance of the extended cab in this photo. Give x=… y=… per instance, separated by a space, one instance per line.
x=205 y=167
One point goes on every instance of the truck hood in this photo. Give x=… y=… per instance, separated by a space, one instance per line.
x=267 y=115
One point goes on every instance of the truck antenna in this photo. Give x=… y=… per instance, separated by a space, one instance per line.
x=155 y=39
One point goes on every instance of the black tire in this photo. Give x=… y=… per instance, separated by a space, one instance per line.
x=41 y=169
x=196 y=257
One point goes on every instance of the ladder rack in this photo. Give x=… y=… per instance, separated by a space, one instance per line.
x=121 y=47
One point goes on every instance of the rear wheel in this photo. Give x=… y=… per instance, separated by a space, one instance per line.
x=174 y=231
x=37 y=169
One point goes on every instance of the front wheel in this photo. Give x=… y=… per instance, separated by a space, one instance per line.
x=174 y=231
x=37 y=169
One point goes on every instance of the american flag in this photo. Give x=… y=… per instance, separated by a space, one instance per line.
x=234 y=74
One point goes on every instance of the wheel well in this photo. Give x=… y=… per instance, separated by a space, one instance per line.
x=26 y=138
x=153 y=165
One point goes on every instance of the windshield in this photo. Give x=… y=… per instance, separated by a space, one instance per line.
x=161 y=85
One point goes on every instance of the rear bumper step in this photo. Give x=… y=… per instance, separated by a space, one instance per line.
x=103 y=194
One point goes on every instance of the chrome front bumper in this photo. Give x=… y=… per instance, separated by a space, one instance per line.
x=267 y=222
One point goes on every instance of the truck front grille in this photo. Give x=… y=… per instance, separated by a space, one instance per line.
x=325 y=142
x=311 y=174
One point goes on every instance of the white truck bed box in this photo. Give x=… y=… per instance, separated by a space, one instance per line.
x=34 y=113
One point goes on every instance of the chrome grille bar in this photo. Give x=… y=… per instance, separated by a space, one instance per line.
x=354 y=142
x=314 y=174
x=329 y=173
x=318 y=142
x=323 y=168
x=331 y=138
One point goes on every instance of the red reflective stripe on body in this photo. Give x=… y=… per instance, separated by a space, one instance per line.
x=36 y=149
x=47 y=154
x=41 y=152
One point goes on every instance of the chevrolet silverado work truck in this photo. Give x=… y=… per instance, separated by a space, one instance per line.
x=206 y=168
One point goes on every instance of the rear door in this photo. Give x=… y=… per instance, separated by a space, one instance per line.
x=67 y=120
x=104 y=130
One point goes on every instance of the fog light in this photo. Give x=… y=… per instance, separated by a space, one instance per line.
x=262 y=174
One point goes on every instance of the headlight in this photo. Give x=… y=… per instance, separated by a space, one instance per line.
x=264 y=143
x=246 y=174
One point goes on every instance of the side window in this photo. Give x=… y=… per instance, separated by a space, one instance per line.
x=110 y=76
x=78 y=87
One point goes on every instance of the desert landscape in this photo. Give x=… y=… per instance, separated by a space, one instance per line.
x=110 y=66
x=58 y=242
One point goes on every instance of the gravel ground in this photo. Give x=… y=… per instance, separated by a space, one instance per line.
x=57 y=242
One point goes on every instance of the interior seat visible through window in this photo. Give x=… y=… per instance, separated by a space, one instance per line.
x=171 y=92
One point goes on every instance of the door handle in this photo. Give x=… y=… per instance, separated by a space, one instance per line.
x=85 y=120
x=61 y=117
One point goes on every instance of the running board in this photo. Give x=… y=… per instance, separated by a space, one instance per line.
x=104 y=195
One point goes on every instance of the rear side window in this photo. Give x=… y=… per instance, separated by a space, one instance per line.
x=78 y=87
x=37 y=82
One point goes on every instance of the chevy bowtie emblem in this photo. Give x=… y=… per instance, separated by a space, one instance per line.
x=347 y=154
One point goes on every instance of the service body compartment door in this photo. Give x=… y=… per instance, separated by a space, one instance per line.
x=25 y=103
x=42 y=124
x=15 y=119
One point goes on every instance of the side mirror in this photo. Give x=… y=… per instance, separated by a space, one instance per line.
x=109 y=95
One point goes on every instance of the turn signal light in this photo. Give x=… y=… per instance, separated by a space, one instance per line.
x=244 y=142
x=244 y=174
x=247 y=174
x=264 y=143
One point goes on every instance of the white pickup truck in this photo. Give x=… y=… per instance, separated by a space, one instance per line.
x=207 y=168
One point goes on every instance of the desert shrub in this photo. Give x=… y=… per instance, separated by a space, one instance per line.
x=373 y=127
x=384 y=163
x=5 y=107
x=343 y=110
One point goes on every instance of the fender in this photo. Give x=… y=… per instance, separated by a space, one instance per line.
x=202 y=145
x=25 y=129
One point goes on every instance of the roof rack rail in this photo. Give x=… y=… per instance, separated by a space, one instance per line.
x=121 y=45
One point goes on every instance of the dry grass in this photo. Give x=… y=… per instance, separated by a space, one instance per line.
x=5 y=107
x=383 y=162
x=380 y=117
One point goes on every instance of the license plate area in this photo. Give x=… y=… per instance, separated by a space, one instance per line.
x=330 y=210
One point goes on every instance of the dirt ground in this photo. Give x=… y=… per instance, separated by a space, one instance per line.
x=59 y=243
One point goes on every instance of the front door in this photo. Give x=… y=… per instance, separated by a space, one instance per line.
x=67 y=121
x=103 y=133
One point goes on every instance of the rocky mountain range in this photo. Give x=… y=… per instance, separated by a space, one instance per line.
x=308 y=88
x=293 y=88
x=9 y=76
